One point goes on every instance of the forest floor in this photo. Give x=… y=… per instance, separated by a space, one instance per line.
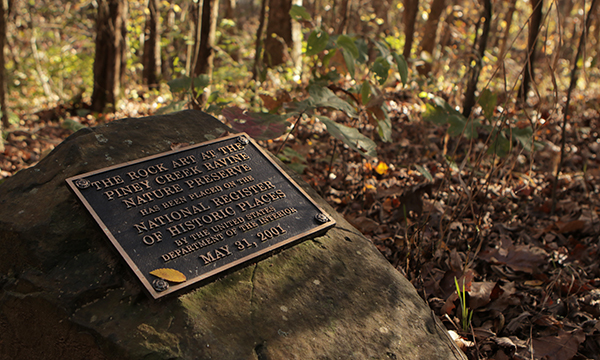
x=486 y=226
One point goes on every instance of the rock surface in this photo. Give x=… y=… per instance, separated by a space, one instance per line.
x=67 y=294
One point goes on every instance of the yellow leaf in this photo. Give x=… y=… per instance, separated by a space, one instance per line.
x=171 y=275
x=381 y=168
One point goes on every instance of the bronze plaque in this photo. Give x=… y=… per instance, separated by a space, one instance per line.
x=184 y=216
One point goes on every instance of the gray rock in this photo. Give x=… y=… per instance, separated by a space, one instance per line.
x=67 y=294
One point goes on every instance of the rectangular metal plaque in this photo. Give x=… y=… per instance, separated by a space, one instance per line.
x=183 y=216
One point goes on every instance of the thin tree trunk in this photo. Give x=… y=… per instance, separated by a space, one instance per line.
x=344 y=13
x=230 y=7
x=151 y=57
x=109 y=62
x=166 y=55
x=573 y=82
x=206 y=51
x=4 y=123
x=534 y=30
x=469 y=100
x=430 y=32
x=411 y=8
x=259 y=41
x=279 y=42
x=508 y=18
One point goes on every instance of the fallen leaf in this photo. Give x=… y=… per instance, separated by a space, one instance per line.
x=381 y=168
x=524 y=258
x=171 y=275
x=570 y=226
x=561 y=347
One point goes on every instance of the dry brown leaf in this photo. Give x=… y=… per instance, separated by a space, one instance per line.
x=524 y=258
x=171 y=275
x=570 y=226
x=561 y=347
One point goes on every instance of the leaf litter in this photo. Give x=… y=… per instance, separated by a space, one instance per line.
x=531 y=277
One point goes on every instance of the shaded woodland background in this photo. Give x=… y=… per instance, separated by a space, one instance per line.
x=461 y=137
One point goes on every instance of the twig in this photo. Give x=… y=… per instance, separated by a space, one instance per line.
x=568 y=102
x=290 y=133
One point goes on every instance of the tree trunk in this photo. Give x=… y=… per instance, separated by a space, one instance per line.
x=109 y=62
x=344 y=13
x=151 y=57
x=206 y=51
x=279 y=43
x=230 y=7
x=469 y=100
x=534 y=30
x=167 y=54
x=256 y=68
x=508 y=18
x=4 y=123
x=411 y=8
x=430 y=33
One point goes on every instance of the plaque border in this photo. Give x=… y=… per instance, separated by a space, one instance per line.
x=211 y=275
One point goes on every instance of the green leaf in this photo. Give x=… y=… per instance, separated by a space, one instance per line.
x=328 y=57
x=363 y=51
x=365 y=92
x=299 y=13
x=381 y=69
x=488 y=102
x=435 y=114
x=184 y=83
x=349 y=62
x=348 y=44
x=524 y=136
x=201 y=82
x=423 y=170
x=439 y=112
x=351 y=137
x=384 y=49
x=384 y=128
x=179 y=84
x=402 y=67
x=323 y=97
x=172 y=107
x=461 y=126
x=260 y=126
x=500 y=144
x=72 y=125
x=317 y=42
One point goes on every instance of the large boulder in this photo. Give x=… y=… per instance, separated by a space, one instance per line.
x=68 y=294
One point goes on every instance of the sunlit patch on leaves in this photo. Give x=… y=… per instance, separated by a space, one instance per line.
x=260 y=126
x=171 y=275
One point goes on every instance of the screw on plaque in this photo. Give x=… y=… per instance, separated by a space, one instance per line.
x=83 y=183
x=321 y=218
x=243 y=140
x=160 y=285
